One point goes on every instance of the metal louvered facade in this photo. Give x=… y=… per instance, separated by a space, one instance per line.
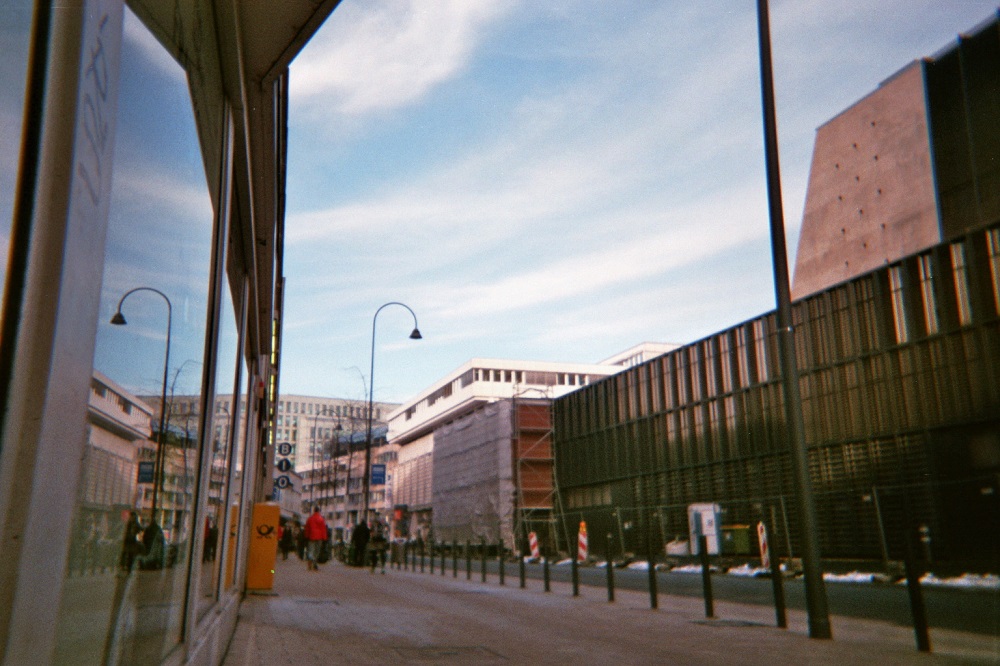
x=901 y=400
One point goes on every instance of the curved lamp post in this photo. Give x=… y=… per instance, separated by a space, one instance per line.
x=119 y=320
x=414 y=335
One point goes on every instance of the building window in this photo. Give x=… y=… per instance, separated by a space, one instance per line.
x=760 y=348
x=926 y=270
x=961 y=275
x=993 y=243
x=898 y=307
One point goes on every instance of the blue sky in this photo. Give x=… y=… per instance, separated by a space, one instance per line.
x=554 y=180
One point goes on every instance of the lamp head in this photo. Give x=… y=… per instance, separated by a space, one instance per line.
x=416 y=335
x=118 y=319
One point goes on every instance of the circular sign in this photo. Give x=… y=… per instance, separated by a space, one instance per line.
x=282 y=481
x=285 y=448
x=284 y=465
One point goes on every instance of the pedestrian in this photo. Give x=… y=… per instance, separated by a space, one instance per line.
x=131 y=546
x=376 y=548
x=359 y=543
x=286 y=541
x=315 y=534
x=300 y=542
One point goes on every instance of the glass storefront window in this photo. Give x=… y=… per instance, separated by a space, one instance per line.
x=14 y=38
x=224 y=434
x=125 y=586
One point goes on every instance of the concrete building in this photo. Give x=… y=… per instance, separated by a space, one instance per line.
x=475 y=459
x=912 y=164
x=117 y=439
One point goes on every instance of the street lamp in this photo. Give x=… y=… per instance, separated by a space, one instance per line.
x=817 y=610
x=414 y=335
x=119 y=320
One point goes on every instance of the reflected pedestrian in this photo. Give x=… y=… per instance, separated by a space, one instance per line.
x=131 y=547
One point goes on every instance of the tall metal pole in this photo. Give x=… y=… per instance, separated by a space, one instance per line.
x=816 y=605
x=414 y=335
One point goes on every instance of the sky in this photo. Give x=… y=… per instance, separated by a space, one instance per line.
x=554 y=180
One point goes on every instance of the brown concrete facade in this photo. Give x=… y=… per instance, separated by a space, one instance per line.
x=871 y=196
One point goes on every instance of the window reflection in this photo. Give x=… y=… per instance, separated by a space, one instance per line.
x=14 y=35
x=124 y=591
x=221 y=439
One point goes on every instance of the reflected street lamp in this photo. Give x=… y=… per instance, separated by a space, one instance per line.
x=414 y=335
x=119 y=320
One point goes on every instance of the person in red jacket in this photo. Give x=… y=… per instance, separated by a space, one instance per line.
x=316 y=534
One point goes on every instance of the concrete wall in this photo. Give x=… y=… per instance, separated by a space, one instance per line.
x=871 y=197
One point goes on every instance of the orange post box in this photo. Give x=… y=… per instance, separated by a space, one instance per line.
x=263 y=546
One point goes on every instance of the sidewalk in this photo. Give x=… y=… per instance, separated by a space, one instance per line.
x=341 y=615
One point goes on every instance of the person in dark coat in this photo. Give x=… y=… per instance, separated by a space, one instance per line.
x=287 y=541
x=359 y=543
x=377 y=547
x=131 y=546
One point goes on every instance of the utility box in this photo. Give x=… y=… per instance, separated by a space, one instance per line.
x=737 y=540
x=263 y=546
x=703 y=521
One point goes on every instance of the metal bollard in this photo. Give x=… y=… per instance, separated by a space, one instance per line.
x=454 y=559
x=468 y=561
x=654 y=601
x=432 y=557
x=444 y=564
x=421 y=557
x=706 y=576
x=545 y=574
x=482 y=557
x=609 y=566
x=576 y=577
x=520 y=567
x=500 y=561
x=778 y=587
x=917 y=608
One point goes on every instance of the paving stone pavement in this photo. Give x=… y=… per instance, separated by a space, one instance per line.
x=342 y=615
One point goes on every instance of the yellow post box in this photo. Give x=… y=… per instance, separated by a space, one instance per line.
x=263 y=546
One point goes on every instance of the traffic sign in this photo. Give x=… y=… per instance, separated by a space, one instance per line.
x=378 y=475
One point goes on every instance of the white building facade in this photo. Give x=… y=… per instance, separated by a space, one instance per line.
x=474 y=460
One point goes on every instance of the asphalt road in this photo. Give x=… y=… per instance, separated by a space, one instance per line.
x=961 y=609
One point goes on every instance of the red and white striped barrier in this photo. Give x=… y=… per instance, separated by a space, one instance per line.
x=581 y=543
x=533 y=545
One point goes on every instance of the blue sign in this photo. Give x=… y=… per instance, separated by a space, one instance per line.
x=378 y=475
x=145 y=472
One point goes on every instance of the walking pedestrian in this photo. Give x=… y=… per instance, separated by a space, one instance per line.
x=377 y=546
x=315 y=534
x=359 y=543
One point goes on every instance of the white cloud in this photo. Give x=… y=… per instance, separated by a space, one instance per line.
x=616 y=198
x=143 y=40
x=420 y=44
